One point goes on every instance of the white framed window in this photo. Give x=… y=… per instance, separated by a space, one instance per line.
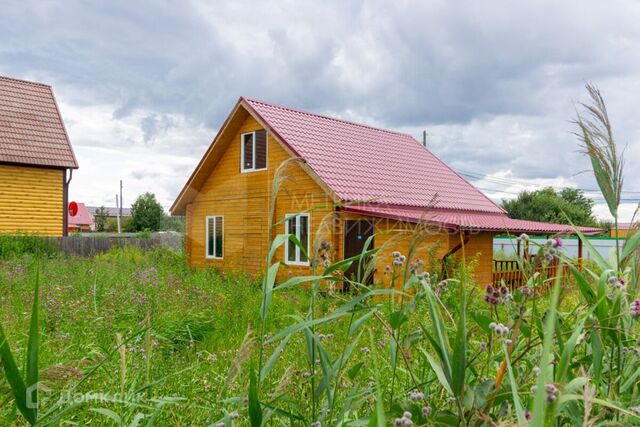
x=253 y=151
x=215 y=237
x=298 y=225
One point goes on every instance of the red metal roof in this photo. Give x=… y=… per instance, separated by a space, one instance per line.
x=83 y=217
x=466 y=220
x=31 y=128
x=362 y=163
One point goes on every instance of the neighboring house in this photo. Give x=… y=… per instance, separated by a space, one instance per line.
x=624 y=230
x=36 y=160
x=350 y=182
x=111 y=212
x=82 y=221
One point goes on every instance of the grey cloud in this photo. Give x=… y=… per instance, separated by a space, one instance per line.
x=468 y=70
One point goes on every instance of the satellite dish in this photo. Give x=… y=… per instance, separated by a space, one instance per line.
x=73 y=209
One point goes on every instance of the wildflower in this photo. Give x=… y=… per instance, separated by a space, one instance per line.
x=616 y=282
x=524 y=237
x=404 y=421
x=527 y=415
x=483 y=346
x=212 y=358
x=365 y=350
x=536 y=370
x=220 y=424
x=552 y=392
x=426 y=411
x=635 y=409
x=316 y=424
x=234 y=415
x=635 y=308
x=395 y=254
x=497 y=296
x=526 y=291
x=499 y=328
x=442 y=287
x=416 y=395
x=508 y=342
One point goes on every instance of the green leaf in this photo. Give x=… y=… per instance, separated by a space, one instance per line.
x=437 y=369
x=109 y=414
x=353 y=371
x=274 y=358
x=631 y=245
x=32 y=350
x=517 y=403
x=267 y=289
x=441 y=336
x=540 y=400
x=255 y=411
x=397 y=318
x=459 y=356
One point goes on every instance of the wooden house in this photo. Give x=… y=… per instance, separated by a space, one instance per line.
x=346 y=182
x=625 y=229
x=81 y=221
x=36 y=160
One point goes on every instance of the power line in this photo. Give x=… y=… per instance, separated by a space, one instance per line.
x=511 y=182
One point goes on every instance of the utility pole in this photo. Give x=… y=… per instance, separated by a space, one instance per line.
x=121 y=201
x=118 y=215
x=424 y=138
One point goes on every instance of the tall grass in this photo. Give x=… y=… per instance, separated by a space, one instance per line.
x=174 y=346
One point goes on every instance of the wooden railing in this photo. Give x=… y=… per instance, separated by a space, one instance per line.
x=509 y=273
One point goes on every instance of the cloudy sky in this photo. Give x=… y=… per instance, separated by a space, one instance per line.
x=143 y=86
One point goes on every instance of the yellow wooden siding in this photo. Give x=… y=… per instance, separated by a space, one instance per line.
x=31 y=200
x=479 y=255
x=244 y=199
x=622 y=233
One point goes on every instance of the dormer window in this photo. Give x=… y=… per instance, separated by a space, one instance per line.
x=253 y=151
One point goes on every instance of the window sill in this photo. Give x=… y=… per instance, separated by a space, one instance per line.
x=297 y=264
x=252 y=170
x=214 y=258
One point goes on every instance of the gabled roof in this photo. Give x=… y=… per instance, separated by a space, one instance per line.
x=83 y=217
x=31 y=128
x=373 y=171
x=363 y=163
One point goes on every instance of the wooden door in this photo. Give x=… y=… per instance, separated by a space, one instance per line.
x=356 y=234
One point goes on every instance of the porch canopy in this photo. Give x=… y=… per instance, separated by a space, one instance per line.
x=466 y=220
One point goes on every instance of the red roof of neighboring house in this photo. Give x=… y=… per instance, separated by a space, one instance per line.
x=31 y=128
x=83 y=217
x=466 y=220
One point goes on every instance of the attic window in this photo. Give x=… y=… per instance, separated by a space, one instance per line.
x=253 y=151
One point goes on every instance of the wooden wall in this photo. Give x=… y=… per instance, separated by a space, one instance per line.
x=31 y=200
x=244 y=200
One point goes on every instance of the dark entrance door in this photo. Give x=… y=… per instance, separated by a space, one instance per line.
x=356 y=234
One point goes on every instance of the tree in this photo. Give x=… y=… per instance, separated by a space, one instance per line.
x=146 y=213
x=548 y=205
x=100 y=218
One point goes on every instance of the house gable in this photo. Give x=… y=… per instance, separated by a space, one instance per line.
x=243 y=199
x=228 y=134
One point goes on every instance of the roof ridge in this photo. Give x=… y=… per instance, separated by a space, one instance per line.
x=323 y=116
x=24 y=81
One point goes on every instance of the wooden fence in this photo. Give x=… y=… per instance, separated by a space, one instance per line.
x=509 y=272
x=88 y=245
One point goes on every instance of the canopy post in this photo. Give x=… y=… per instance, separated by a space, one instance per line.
x=579 y=253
